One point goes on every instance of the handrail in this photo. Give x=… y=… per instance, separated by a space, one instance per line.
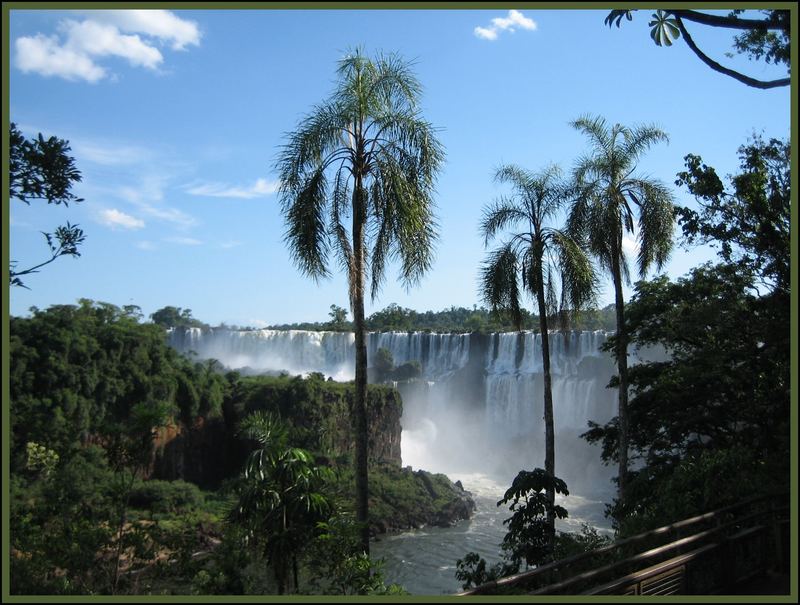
x=528 y=575
x=642 y=556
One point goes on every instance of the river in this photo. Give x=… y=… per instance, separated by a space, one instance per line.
x=423 y=561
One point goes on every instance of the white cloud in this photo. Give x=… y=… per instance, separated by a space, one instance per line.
x=101 y=40
x=486 y=33
x=230 y=244
x=72 y=54
x=515 y=19
x=260 y=188
x=109 y=155
x=146 y=196
x=146 y=245
x=183 y=241
x=258 y=323
x=111 y=217
x=43 y=55
x=171 y=215
x=158 y=23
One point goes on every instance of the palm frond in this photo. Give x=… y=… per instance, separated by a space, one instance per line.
x=595 y=129
x=579 y=285
x=306 y=233
x=499 y=285
x=501 y=214
x=656 y=224
x=641 y=138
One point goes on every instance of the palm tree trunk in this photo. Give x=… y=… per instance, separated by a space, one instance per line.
x=360 y=403
x=622 y=368
x=549 y=430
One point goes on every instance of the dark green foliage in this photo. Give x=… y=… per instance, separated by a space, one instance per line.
x=569 y=544
x=338 y=322
x=529 y=538
x=317 y=410
x=175 y=317
x=337 y=566
x=78 y=371
x=280 y=499
x=472 y=570
x=402 y=499
x=394 y=318
x=748 y=222
x=767 y=37
x=724 y=389
x=773 y=45
x=90 y=386
x=42 y=169
x=383 y=364
x=384 y=370
x=407 y=371
x=711 y=424
x=165 y=496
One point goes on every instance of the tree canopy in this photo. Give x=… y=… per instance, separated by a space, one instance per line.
x=710 y=424
x=42 y=169
x=767 y=37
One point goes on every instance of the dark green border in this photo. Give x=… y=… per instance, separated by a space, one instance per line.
x=600 y=6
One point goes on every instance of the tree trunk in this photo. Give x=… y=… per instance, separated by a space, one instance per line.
x=549 y=429
x=360 y=402
x=622 y=368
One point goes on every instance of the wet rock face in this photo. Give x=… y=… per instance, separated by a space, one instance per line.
x=459 y=508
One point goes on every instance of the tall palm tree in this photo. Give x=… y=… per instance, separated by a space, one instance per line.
x=541 y=257
x=365 y=153
x=608 y=191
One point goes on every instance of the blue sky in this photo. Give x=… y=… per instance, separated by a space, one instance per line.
x=175 y=119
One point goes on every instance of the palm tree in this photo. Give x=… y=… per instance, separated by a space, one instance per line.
x=602 y=213
x=540 y=256
x=364 y=153
x=279 y=499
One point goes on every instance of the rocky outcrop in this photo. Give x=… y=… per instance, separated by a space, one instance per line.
x=402 y=499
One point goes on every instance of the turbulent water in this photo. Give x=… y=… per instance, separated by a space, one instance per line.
x=476 y=415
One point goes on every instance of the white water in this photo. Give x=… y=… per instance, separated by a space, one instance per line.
x=476 y=415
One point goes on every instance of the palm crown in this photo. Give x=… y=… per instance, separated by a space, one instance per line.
x=367 y=153
x=536 y=252
x=606 y=189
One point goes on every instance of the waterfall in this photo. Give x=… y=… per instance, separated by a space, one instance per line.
x=478 y=406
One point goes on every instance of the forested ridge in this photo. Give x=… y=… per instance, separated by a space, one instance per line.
x=124 y=451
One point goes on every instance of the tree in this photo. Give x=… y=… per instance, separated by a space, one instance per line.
x=280 y=500
x=384 y=364
x=176 y=317
x=711 y=423
x=767 y=37
x=601 y=214
x=338 y=317
x=43 y=170
x=364 y=153
x=749 y=222
x=530 y=536
x=540 y=257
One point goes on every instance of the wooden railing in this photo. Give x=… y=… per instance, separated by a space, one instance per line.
x=706 y=554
